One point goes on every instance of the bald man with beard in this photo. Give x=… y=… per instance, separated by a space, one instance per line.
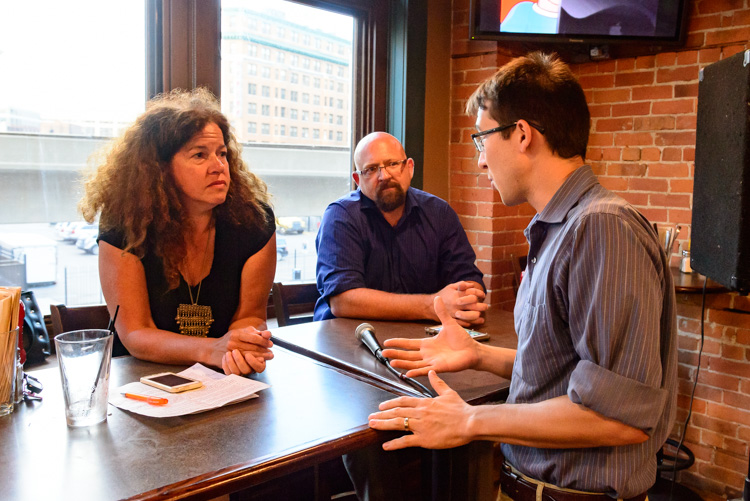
x=386 y=250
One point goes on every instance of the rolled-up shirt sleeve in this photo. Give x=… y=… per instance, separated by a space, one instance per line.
x=615 y=293
x=341 y=254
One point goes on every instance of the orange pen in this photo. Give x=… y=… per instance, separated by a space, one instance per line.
x=149 y=400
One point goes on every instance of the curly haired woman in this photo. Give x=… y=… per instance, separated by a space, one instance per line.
x=187 y=248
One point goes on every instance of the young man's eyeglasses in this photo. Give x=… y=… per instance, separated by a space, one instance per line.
x=479 y=137
x=393 y=168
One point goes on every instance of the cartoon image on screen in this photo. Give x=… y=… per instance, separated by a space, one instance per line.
x=578 y=17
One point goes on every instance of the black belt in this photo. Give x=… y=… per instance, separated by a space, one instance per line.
x=520 y=489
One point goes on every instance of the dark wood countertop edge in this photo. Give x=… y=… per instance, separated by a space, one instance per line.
x=241 y=476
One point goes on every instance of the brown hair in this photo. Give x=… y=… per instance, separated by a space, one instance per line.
x=135 y=192
x=541 y=89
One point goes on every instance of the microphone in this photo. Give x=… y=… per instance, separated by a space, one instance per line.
x=365 y=333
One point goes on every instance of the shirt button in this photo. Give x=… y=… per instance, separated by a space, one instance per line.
x=533 y=260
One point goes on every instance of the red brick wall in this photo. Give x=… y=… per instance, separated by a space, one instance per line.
x=642 y=146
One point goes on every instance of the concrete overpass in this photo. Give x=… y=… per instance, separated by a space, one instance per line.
x=41 y=176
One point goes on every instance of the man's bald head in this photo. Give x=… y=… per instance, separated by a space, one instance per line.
x=389 y=170
x=375 y=139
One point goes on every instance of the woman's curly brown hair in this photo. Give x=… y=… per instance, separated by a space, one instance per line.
x=134 y=191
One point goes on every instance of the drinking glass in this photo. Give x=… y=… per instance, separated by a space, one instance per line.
x=84 y=358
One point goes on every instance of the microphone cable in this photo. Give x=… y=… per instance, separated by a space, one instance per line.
x=419 y=386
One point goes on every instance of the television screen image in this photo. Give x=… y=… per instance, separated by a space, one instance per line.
x=603 y=20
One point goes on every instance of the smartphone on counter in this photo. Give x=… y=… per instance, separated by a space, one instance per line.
x=476 y=335
x=171 y=382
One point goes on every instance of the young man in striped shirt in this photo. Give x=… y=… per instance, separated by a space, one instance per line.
x=593 y=382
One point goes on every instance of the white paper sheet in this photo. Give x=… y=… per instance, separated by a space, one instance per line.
x=218 y=390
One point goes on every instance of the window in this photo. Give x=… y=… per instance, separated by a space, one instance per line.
x=340 y=103
x=266 y=72
x=339 y=136
x=330 y=135
x=252 y=50
x=266 y=92
x=252 y=69
x=252 y=89
x=265 y=129
x=265 y=53
x=330 y=119
x=55 y=112
x=252 y=127
x=252 y=108
x=340 y=87
x=302 y=26
x=265 y=110
x=339 y=120
x=329 y=68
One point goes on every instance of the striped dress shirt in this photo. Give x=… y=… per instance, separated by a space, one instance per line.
x=595 y=317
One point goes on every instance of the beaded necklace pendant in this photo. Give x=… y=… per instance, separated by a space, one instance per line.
x=194 y=319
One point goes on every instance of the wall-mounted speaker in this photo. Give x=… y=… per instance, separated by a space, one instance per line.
x=720 y=241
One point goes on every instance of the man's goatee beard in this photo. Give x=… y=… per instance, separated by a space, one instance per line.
x=390 y=201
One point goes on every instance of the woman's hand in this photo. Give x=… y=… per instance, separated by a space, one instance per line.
x=244 y=350
x=452 y=350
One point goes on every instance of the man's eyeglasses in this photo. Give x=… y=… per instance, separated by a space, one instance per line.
x=479 y=137
x=393 y=168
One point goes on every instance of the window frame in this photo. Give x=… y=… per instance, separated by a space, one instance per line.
x=183 y=41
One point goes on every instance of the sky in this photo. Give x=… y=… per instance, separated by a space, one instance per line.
x=85 y=59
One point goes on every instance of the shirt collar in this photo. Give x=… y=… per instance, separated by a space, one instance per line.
x=567 y=195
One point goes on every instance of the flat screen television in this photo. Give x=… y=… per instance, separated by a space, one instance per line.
x=593 y=22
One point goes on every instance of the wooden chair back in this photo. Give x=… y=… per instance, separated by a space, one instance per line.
x=75 y=318
x=294 y=302
x=66 y=319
